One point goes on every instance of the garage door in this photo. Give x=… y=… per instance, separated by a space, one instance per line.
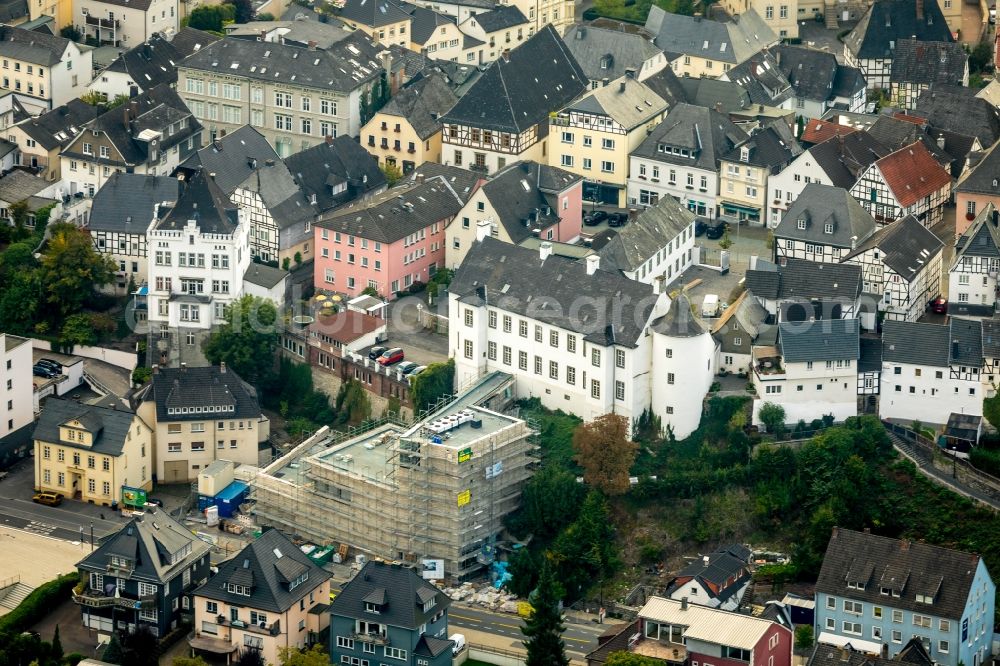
x=176 y=471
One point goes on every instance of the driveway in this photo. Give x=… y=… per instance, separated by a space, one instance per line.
x=420 y=345
x=72 y=634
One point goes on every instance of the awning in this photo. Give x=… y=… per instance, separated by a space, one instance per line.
x=740 y=208
x=215 y=645
x=858 y=644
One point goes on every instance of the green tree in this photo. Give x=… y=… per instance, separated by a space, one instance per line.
x=298 y=259
x=605 y=453
x=19 y=217
x=141 y=375
x=392 y=407
x=265 y=16
x=71 y=269
x=980 y=57
x=772 y=416
x=523 y=569
x=631 y=659
x=247 y=341
x=243 y=11
x=803 y=636
x=585 y=552
x=544 y=627
x=57 y=648
x=991 y=410
x=77 y=330
x=21 y=297
x=353 y=405
x=392 y=174
x=113 y=651
x=550 y=501
x=139 y=647
x=207 y=17
x=71 y=33
x=434 y=383
x=315 y=656
x=250 y=657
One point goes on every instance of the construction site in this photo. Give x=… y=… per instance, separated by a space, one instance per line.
x=433 y=493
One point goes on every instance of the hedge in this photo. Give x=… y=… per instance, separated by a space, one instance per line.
x=38 y=604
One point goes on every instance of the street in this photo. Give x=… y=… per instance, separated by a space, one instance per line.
x=580 y=638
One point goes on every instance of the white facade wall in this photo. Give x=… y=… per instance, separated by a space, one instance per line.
x=648 y=177
x=70 y=77
x=973 y=280
x=125 y=26
x=682 y=371
x=16 y=386
x=112 y=84
x=275 y=294
x=928 y=393
x=785 y=187
x=810 y=390
x=670 y=260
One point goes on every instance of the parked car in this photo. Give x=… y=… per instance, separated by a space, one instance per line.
x=458 y=641
x=594 y=218
x=715 y=230
x=417 y=370
x=939 y=305
x=48 y=498
x=49 y=363
x=617 y=219
x=700 y=227
x=390 y=356
x=154 y=501
x=375 y=352
x=44 y=371
x=407 y=367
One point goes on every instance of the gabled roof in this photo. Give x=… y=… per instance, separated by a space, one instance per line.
x=155 y=61
x=109 y=427
x=189 y=40
x=732 y=41
x=425 y=23
x=908 y=568
x=327 y=164
x=645 y=236
x=801 y=279
x=264 y=275
x=323 y=34
x=606 y=54
x=937 y=345
x=825 y=654
x=152 y=543
x=981 y=239
x=431 y=646
x=984 y=177
x=373 y=13
x=991 y=338
x=273 y=562
x=13 y=10
x=719 y=568
x=771 y=147
x=957 y=109
x=126 y=201
x=706 y=133
x=395 y=214
x=848 y=82
x=520 y=90
x=519 y=281
x=501 y=17
x=823 y=340
x=831 y=217
x=462 y=181
x=845 y=158
x=32 y=46
x=818 y=131
x=60 y=125
x=201 y=200
x=888 y=21
x=746 y=311
x=522 y=195
x=722 y=96
x=185 y=390
x=17 y=185
x=928 y=62
x=763 y=79
x=906 y=246
x=402 y=591
x=627 y=101
x=708 y=625
x=871 y=355
x=812 y=73
x=422 y=103
x=894 y=133
x=912 y=173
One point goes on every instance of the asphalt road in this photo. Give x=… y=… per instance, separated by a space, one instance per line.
x=580 y=638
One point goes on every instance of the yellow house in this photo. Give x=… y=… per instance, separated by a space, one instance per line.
x=61 y=11
x=743 y=171
x=594 y=135
x=40 y=140
x=781 y=16
x=89 y=453
x=385 y=21
x=406 y=132
x=435 y=34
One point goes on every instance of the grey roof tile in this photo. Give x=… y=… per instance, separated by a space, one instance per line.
x=341 y=160
x=108 y=426
x=32 y=46
x=824 y=340
x=18 y=185
x=522 y=196
x=202 y=200
x=604 y=53
x=462 y=181
x=984 y=177
x=501 y=17
x=822 y=205
x=422 y=103
x=731 y=41
x=958 y=110
x=680 y=320
x=642 y=238
x=888 y=21
x=915 y=343
x=126 y=201
x=706 y=133
x=991 y=338
x=771 y=147
x=264 y=275
x=209 y=386
x=812 y=73
x=373 y=13
x=60 y=125
x=763 y=79
x=400 y=586
x=845 y=158
x=906 y=247
x=981 y=239
x=928 y=63
x=801 y=279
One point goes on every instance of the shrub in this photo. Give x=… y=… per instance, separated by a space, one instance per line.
x=417 y=287
x=38 y=604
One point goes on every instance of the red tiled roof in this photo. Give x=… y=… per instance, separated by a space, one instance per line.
x=905 y=117
x=346 y=326
x=912 y=173
x=818 y=131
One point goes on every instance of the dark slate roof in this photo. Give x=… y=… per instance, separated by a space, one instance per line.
x=323 y=34
x=680 y=320
x=109 y=427
x=958 y=342
x=811 y=73
x=344 y=67
x=126 y=201
x=519 y=91
x=32 y=46
x=820 y=205
x=772 y=148
x=155 y=60
x=12 y=10
x=984 y=177
x=373 y=13
x=202 y=200
x=517 y=280
x=341 y=160
x=906 y=247
x=829 y=655
x=723 y=96
x=720 y=568
x=463 y=181
x=763 y=79
x=666 y=84
x=431 y=646
x=60 y=125
x=907 y=567
x=706 y=133
x=400 y=587
x=264 y=275
x=981 y=239
x=893 y=133
x=801 y=279
x=425 y=22
x=396 y=213
x=618 y=638
x=422 y=103
x=644 y=237
x=848 y=81
x=966 y=342
x=189 y=40
x=179 y=388
x=273 y=562
x=991 y=338
x=824 y=340
x=606 y=54
x=891 y=20
x=960 y=111
x=18 y=185
x=870 y=359
x=523 y=197
x=928 y=62
x=845 y=158
x=732 y=41
x=501 y=17
x=148 y=541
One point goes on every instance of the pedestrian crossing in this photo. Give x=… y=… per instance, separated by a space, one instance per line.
x=40 y=528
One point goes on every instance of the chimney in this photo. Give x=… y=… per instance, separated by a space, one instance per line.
x=777 y=57
x=718 y=107
x=133 y=91
x=920 y=10
x=954 y=355
x=211 y=175
x=482 y=229
x=684 y=603
x=633 y=213
x=545 y=250
x=329 y=139
x=156 y=369
x=184 y=367
x=940 y=141
x=706 y=560
x=885 y=650
x=604 y=82
x=845 y=654
x=593 y=263
x=630 y=72
x=904 y=545
x=419 y=178
x=311 y=45
x=621 y=87
x=222 y=368
x=736 y=19
x=659 y=285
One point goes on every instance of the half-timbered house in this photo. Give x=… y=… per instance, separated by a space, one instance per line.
x=972 y=277
x=823 y=225
x=907 y=182
x=869 y=374
x=802 y=290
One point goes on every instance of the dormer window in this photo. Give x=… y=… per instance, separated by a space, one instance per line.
x=298 y=581
x=828 y=228
x=854 y=585
x=372 y=608
x=242 y=590
x=884 y=591
x=925 y=599
x=744 y=154
x=429 y=604
x=801 y=223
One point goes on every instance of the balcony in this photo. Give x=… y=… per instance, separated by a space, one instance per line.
x=767 y=363
x=272 y=629
x=110 y=24
x=481 y=168
x=378 y=638
x=95 y=599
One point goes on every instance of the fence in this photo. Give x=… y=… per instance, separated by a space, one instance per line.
x=496 y=655
x=121 y=359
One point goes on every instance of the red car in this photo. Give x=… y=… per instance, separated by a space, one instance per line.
x=390 y=356
x=939 y=305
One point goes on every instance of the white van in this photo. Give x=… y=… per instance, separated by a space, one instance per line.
x=459 y=644
x=710 y=306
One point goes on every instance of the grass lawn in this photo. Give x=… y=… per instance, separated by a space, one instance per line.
x=476 y=662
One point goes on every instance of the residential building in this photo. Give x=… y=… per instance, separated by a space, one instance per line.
x=389 y=612
x=436 y=35
x=832 y=125
x=698 y=47
x=881 y=593
x=787 y=292
x=522 y=201
x=125 y=24
x=267 y=282
x=824 y=224
x=487 y=34
x=247 y=169
x=52 y=70
x=930 y=371
x=782 y=19
x=268 y=596
x=384 y=21
x=716 y=580
x=294 y=96
x=387 y=243
x=744 y=171
x=919 y=65
x=656 y=244
x=142 y=575
x=294 y=31
x=200 y=415
x=119 y=219
x=681 y=158
x=763 y=80
x=609 y=54
x=991 y=356
x=208 y=235
x=90 y=453
x=901 y=268
x=60 y=12
x=406 y=132
x=337 y=172
x=599 y=130
x=487 y=130
x=842 y=650
x=150 y=63
x=871 y=45
x=16 y=381
x=741 y=326
x=978 y=189
x=869 y=375
x=445 y=508
x=40 y=139
x=819 y=82
x=907 y=182
x=811 y=372
x=150 y=135
x=972 y=276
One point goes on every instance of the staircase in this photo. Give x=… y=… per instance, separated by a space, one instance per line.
x=12 y=595
x=830 y=15
x=909 y=448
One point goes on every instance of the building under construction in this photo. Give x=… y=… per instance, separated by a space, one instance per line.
x=435 y=490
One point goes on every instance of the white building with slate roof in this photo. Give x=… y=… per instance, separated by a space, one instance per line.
x=972 y=277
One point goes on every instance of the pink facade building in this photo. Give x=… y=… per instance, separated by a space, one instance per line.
x=386 y=243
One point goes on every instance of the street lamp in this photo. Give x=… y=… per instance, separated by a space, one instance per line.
x=91 y=535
